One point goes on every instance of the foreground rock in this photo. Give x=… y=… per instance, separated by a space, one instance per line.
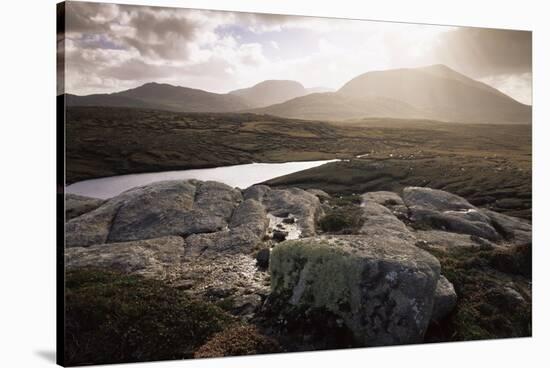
x=444 y=299
x=141 y=231
x=514 y=229
x=381 y=224
x=445 y=211
x=295 y=203
x=155 y=258
x=76 y=205
x=382 y=291
x=215 y=242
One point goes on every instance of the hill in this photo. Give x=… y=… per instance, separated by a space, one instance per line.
x=435 y=92
x=270 y=92
x=336 y=106
x=442 y=93
x=163 y=97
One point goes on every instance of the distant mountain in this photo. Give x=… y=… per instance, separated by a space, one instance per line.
x=442 y=94
x=164 y=97
x=270 y=92
x=319 y=90
x=336 y=106
x=435 y=92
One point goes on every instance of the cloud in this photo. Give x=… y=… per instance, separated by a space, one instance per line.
x=516 y=85
x=113 y=47
x=482 y=52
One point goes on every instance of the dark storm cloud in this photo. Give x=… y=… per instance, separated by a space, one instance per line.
x=482 y=52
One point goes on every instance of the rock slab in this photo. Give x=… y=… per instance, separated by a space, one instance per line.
x=383 y=292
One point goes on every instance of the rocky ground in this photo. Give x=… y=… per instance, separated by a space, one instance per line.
x=287 y=269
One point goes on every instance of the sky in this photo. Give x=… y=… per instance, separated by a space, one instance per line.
x=111 y=47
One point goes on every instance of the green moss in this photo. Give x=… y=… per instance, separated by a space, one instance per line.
x=317 y=273
x=115 y=318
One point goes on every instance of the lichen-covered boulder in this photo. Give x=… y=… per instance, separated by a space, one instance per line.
x=441 y=210
x=76 y=205
x=444 y=299
x=382 y=291
x=159 y=258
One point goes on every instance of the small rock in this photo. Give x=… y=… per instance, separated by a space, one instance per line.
x=262 y=258
x=279 y=235
x=444 y=299
x=289 y=220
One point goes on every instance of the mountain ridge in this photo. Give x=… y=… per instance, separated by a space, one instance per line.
x=434 y=92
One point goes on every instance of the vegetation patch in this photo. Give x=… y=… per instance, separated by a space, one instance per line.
x=115 y=318
x=491 y=303
x=344 y=215
x=237 y=340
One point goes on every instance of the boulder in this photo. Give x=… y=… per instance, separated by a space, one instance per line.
x=256 y=192
x=303 y=206
x=446 y=241
x=217 y=198
x=441 y=210
x=383 y=291
x=174 y=208
x=515 y=229
x=434 y=199
x=384 y=198
x=390 y=200
x=380 y=223
x=251 y=214
x=90 y=228
x=154 y=258
x=262 y=257
x=321 y=194
x=444 y=299
x=238 y=240
x=76 y=205
x=141 y=209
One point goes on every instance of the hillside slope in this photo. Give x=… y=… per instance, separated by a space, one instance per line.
x=270 y=92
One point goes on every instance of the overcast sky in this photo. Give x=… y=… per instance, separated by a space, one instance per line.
x=115 y=47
